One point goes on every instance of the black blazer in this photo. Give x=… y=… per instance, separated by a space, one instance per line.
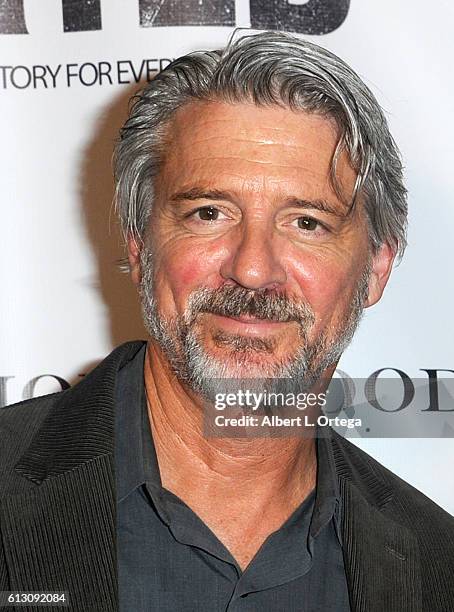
x=58 y=509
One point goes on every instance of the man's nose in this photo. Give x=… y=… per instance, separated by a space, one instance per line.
x=254 y=261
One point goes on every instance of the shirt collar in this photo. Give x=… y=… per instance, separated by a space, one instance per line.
x=327 y=496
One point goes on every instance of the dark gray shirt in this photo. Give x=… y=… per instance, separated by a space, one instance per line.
x=170 y=561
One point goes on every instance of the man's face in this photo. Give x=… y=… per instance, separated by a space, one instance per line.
x=252 y=266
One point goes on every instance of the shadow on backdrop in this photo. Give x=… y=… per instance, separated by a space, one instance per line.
x=117 y=291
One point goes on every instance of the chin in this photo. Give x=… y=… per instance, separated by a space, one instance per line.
x=249 y=363
x=238 y=369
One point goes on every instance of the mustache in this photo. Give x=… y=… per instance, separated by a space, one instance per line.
x=231 y=301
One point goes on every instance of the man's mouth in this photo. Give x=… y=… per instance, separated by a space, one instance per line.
x=251 y=319
x=247 y=324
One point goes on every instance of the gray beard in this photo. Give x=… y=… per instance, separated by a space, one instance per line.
x=204 y=374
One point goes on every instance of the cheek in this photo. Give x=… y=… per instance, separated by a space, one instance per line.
x=324 y=282
x=182 y=269
x=185 y=272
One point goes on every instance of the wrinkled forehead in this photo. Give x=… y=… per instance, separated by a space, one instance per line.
x=261 y=147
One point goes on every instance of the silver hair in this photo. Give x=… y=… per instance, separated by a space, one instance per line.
x=270 y=68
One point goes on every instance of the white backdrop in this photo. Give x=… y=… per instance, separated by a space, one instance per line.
x=63 y=304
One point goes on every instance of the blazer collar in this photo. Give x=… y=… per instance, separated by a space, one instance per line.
x=353 y=465
x=81 y=424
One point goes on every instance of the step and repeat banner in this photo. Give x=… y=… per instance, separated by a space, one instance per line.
x=67 y=71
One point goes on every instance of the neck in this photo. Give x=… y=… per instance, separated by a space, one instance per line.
x=258 y=467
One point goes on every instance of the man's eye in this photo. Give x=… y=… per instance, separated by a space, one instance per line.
x=207 y=213
x=307 y=223
x=207 y=219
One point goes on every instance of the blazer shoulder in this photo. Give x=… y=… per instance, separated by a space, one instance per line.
x=15 y=415
x=18 y=424
x=407 y=503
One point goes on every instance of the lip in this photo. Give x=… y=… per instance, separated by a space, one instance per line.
x=248 y=325
x=249 y=319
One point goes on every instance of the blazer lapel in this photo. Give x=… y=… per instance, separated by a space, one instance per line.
x=60 y=534
x=381 y=556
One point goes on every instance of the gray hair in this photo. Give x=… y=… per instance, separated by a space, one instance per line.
x=270 y=68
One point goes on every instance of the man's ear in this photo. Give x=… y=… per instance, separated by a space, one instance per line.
x=382 y=263
x=134 y=260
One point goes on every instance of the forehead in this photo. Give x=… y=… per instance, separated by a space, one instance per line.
x=254 y=146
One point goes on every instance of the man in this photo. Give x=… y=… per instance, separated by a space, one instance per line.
x=261 y=197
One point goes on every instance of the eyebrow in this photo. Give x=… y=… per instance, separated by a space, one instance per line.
x=197 y=193
x=321 y=205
